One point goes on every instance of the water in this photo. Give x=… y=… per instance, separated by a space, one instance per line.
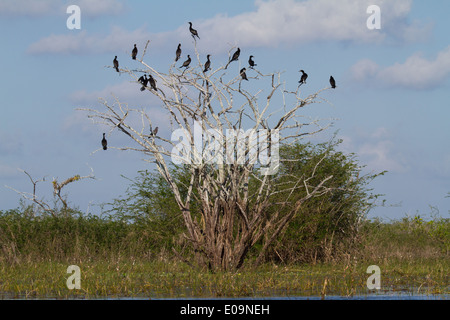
x=394 y=296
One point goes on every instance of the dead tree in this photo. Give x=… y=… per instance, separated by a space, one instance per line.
x=57 y=189
x=227 y=137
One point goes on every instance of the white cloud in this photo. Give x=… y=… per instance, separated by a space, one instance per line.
x=417 y=72
x=27 y=7
x=43 y=8
x=7 y=172
x=290 y=22
x=376 y=150
x=126 y=91
x=273 y=23
x=119 y=40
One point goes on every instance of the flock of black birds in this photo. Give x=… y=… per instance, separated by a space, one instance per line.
x=145 y=81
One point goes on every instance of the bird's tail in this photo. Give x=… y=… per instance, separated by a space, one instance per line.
x=117 y=69
x=105 y=148
x=142 y=88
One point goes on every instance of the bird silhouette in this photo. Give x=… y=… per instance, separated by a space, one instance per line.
x=152 y=82
x=207 y=63
x=104 y=143
x=193 y=31
x=332 y=82
x=155 y=132
x=243 y=74
x=134 y=53
x=143 y=80
x=178 y=52
x=187 y=62
x=235 y=57
x=251 y=63
x=116 y=64
x=303 y=78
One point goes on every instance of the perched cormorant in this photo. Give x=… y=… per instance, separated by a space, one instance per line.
x=186 y=63
x=207 y=63
x=152 y=82
x=134 y=53
x=155 y=132
x=178 y=53
x=235 y=57
x=144 y=82
x=303 y=78
x=243 y=75
x=251 y=63
x=116 y=64
x=332 y=82
x=193 y=31
x=104 y=143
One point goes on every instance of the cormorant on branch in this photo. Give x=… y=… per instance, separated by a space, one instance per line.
x=207 y=63
x=116 y=64
x=235 y=57
x=193 y=31
x=155 y=132
x=178 y=53
x=187 y=62
x=144 y=82
x=104 y=143
x=134 y=52
x=152 y=82
x=251 y=62
x=332 y=82
x=303 y=78
x=243 y=74
x=142 y=79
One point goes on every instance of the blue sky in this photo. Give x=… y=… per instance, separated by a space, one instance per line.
x=391 y=106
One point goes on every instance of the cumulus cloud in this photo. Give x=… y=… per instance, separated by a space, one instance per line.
x=417 y=72
x=43 y=8
x=272 y=23
x=376 y=150
x=83 y=43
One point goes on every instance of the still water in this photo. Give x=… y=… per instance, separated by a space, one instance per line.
x=393 y=296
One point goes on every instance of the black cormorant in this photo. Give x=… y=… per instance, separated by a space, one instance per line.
x=187 y=62
x=207 y=63
x=116 y=64
x=251 y=62
x=134 y=53
x=152 y=82
x=235 y=57
x=303 y=78
x=178 y=53
x=332 y=82
x=104 y=143
x=243 y=75
x=144 y=82
x=193 y=31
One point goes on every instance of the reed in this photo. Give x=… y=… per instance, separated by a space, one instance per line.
x=119 y=259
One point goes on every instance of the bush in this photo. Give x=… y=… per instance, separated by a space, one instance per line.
x=325 y=223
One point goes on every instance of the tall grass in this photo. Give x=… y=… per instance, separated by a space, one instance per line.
x=118 y=258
